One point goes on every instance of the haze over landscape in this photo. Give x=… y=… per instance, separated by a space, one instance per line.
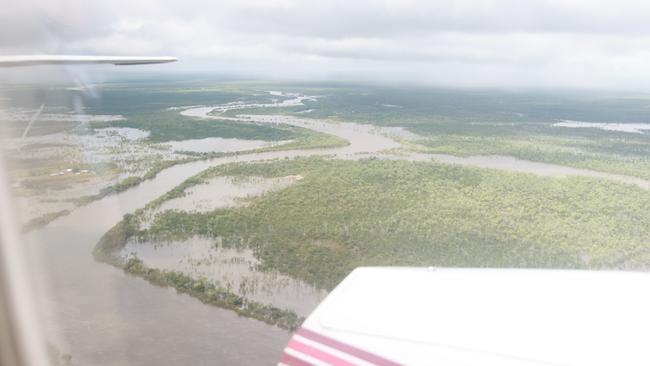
x=495 y=43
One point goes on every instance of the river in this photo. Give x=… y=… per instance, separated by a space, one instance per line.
x=101 y=316
x=104 y=317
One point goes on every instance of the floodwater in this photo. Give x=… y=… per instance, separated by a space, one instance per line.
x=219 y=144
x=102 y=149
x=127 y=133
x=102 y=316
x=509 y=163
x=363 y=138
x=101 y=138
x=232 y=268
x=24 y=114
x=219 y=192
x=293 y=100
x=620 y=127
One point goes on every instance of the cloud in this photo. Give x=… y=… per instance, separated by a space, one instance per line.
x=463 y=42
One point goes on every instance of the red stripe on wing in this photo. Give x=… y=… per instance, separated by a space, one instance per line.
x=318 y=354
x=293 y=361
x=346 y=348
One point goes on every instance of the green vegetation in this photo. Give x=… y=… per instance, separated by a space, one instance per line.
x=147 y=107
x=123 y=185
x=308 y=139
x=303 y=139
x=114 y=240
x=170 y=125
x=345 y=214
x=43 y=220
x=428 y=110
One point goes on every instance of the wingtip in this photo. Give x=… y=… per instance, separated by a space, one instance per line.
x=36 y=60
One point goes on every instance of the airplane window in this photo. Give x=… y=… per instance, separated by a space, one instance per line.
x=191 y=182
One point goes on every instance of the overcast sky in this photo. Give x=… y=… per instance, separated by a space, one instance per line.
x=466 y=43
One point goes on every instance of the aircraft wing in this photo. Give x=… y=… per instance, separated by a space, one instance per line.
x=35 y=60
x=420 y=316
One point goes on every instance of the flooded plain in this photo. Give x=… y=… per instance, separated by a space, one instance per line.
x=509 y=163
x=52 y=172
x=219 y=192
x=219 y=144
x=84 y=302
x=235 y=269
x=222 y=192
x=620 y=127
x=103 y=316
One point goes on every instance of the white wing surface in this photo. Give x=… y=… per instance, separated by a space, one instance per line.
x=496 y=317
x=36 y=60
